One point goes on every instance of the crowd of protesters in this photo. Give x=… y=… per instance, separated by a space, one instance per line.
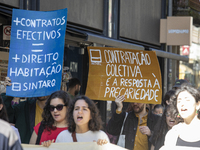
x=70 y=117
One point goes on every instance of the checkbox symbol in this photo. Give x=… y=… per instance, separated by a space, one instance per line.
x=95 y=55
x=16 y=86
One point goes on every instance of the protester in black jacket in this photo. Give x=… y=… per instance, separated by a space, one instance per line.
x=138 y=126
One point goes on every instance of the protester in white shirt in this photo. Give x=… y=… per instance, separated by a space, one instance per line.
x=84 y=123
x=89 y=136
x=185 y=134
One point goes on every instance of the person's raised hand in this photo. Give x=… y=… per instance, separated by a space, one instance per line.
x=47 y=143
x=118 y=100
x=7 y=81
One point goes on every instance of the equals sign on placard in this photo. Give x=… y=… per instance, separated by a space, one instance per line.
x=35 y=49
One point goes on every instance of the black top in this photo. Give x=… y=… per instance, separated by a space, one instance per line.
x=130 y=126
x=159 y=142
x=181 y=142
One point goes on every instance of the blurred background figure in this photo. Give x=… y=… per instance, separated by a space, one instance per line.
x=2 y=87
x=8 y=137
x=178 y=83
x=4 y=116
x=167 y=97
x=158 y=109
x=74 y=87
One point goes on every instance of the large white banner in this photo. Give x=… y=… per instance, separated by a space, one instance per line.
x=74 y=146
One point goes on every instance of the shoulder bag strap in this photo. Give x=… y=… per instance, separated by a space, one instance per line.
x=74 y=136
x=123 y=123
x=40 y=131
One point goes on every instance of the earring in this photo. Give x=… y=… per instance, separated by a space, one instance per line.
x=178 y=116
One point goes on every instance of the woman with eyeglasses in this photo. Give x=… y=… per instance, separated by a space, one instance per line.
x=164 y=124
x=54 y=119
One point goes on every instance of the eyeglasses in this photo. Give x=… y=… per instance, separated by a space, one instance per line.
x=59 y=107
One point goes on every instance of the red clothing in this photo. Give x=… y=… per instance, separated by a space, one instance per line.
x=46 y=135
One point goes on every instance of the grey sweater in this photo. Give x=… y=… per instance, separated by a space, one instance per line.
x=8 y=137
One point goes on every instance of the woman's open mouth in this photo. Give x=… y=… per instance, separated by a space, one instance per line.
x=79 y=118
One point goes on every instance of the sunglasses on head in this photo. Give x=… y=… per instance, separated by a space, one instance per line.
x=59 y=107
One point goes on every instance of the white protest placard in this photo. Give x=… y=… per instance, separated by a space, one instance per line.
x=73 y=146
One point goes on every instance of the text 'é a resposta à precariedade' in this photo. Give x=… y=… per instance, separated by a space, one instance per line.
x=124 y=68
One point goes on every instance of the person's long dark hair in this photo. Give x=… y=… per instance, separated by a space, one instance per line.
x=48 y=120
x=3 y=112
x=95 y=124
x=168 y=96
x=161 y=127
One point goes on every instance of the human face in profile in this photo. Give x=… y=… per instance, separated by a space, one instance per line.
x=186 y=105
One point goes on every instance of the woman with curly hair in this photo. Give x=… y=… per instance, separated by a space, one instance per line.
x=187 y=133
x=84 y=123
x=54 y=119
